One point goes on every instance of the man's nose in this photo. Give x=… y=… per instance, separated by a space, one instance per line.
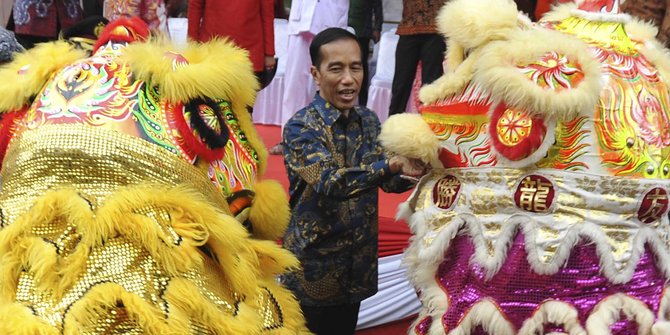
x=348 y=77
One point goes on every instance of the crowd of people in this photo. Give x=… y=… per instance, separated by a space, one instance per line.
x=334 y=162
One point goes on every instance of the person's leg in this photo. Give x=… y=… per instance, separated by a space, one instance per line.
x=406 y=60
x=364 y=43
x=432 y=56
x=332 y=320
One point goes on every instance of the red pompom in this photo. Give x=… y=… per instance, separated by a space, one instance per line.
x=125 y=29
x=515 y=134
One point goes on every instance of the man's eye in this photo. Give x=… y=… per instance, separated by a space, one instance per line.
x=335 y=69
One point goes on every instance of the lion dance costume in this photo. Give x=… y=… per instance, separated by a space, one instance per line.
x=547 y=208
x=130 y=182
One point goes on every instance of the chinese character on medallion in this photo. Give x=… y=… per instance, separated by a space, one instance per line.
x=535 y=194
x=654 y=205
x=446 y=191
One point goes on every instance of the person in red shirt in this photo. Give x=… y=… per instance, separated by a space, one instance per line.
x=247 y=23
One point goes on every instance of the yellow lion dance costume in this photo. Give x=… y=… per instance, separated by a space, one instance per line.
x=128 y=179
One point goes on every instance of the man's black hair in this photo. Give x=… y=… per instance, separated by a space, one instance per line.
x=327 y=36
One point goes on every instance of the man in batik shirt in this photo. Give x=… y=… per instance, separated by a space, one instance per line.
x=335 y=167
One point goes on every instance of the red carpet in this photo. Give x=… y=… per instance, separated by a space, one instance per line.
x=393 y=235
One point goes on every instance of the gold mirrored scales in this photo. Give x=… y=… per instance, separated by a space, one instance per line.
x=94 y=161
x=89 y=254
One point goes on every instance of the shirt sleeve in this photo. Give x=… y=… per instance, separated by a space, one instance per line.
x=307 y=155
x=195 y=12
x=267 y=22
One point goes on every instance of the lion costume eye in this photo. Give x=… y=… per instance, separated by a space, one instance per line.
x=202 y=126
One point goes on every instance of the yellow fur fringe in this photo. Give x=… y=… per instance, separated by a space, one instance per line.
x=455 y=55
x=559 y=12
x=245 y=265
x=408 y=135
x=471 y=23
x=269 y=212
x=640 y=30
x=450 y=83
x=294 y=323
x=16 y=319
x=652 y=49
x=185 y=300
x=25 y=77
x=192 y=218
x=273 y=260
x=217 y=69
x=97 y=302
x=496 y=70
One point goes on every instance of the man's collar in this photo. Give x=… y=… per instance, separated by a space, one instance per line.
x=329 y=113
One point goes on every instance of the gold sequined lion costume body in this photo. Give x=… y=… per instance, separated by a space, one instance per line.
x=131 y=201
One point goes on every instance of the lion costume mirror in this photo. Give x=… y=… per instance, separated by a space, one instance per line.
x=546 y=211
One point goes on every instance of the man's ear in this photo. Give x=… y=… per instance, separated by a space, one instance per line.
x=315 y=74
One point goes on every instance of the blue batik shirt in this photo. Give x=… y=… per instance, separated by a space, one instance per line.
x=335 y=166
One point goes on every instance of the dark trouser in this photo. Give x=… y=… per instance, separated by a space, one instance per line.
x=332 y=320
x=364 y=42
x=427 y=48
x=29 y=41
x=264 y=78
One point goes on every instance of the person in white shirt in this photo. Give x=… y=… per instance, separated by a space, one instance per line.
x=306 y=19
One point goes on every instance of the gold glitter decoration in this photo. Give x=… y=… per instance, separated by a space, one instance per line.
x=483 y=202
x=619 y=240
x=117 y=261
x=113 y=320
x=608 y=35
x=551 y=240
x=59 y=233
x=94 y=161
x=213 y=285
x=197 y=328
x=491 y=232
x=161 y=217
x=270 y=311
x=486 y=201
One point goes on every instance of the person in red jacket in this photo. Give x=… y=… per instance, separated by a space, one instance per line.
x=247 y=23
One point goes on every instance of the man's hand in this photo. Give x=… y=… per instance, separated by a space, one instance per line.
x=270 y=62
x=407 y=166
x=376 y=35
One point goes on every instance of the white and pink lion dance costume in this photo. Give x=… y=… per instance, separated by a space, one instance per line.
x=546 y=211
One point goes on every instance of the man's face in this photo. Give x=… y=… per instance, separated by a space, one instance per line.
x=340 y=73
